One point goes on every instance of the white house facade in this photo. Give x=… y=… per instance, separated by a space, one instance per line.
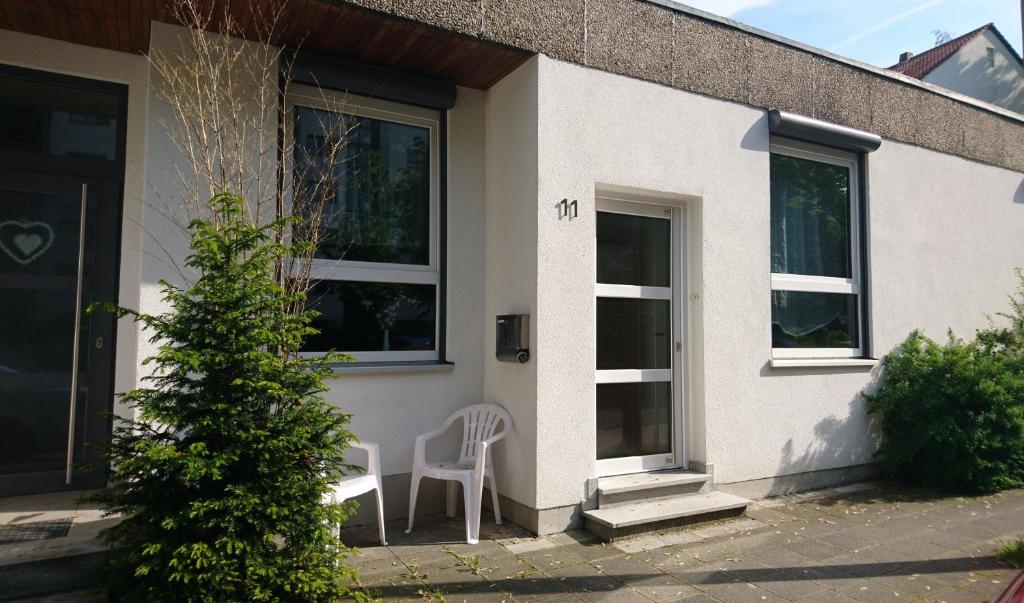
x=713 y=235
x=980 y=64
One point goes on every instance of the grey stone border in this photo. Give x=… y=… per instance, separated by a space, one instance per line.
x=664 y=42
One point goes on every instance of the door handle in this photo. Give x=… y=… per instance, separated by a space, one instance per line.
x=74 y=339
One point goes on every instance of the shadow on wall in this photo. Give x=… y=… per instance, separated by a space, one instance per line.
x=757 y=137
x=1018 y=197
x=845 y=444
x=999 y=85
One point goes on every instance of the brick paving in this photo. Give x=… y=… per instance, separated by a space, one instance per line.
x=860 y=543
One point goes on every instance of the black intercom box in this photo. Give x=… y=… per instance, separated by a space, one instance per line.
x=512 y=338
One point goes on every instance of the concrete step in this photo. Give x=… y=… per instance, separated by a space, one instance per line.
x=50 y=544
x=638 y=487
x=31 y=580
x=617 y=521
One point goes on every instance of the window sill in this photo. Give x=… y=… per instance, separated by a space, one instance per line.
x=365 y=368
x=822 y=362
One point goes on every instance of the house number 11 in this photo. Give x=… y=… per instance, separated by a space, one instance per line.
x=567 y=209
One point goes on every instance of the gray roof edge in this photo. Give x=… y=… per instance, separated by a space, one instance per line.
x=877 y=71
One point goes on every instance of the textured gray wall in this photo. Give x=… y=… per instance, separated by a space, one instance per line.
x=656 y=43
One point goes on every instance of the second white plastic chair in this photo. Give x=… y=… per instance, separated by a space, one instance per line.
x=351 y=486
x=479 y=433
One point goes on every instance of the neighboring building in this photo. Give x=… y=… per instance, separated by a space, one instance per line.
x=752 y=223
x=980 y=64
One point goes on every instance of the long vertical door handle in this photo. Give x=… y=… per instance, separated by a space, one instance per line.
x=74 y=339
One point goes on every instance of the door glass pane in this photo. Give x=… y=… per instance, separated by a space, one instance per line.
x=39 y=237
x=378 y=188
x=802 y=319
x=810 y=215
x=633 y=250
x=54 y=119
x=372 y=317
x=634 y=419
x=633 y=333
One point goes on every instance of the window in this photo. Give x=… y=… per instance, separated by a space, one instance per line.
x=815 y=253
x=376 y=273
x=990 y=55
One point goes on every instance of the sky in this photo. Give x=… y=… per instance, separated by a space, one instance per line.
x=871 y=31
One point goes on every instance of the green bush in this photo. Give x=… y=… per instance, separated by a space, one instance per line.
x=1012 y=554
x=952 y=415
x=219 y=475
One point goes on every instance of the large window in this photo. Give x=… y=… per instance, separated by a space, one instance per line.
x=376 y=273
x=815 y=246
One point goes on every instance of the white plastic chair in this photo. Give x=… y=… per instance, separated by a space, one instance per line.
x=351 y=486
x=479 y=433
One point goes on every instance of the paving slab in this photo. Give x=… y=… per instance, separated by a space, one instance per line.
x=876 y=542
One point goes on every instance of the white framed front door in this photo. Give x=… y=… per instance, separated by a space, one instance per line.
x=639 y=337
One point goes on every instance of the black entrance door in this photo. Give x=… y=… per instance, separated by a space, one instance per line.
x=61 y=169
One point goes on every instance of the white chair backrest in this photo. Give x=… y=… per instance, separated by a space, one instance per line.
x=479 y=422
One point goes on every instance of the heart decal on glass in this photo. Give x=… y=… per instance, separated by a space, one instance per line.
x=25 y=241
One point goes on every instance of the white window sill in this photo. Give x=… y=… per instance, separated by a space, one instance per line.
x=822 y=362
x=364 y=368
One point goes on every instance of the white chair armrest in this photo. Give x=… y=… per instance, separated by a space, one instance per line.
x=496 y=437
x=420 y=452
x=373 y=456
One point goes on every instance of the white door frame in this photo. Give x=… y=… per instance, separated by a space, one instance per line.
x=677 y=457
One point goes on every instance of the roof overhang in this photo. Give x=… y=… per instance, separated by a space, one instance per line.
x=326 y=28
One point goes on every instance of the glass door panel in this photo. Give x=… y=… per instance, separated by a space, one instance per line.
x=633 y=333
x=39 y=246
x=41 y=242
x=61 y=173
x=636 y=400
x=634 y=419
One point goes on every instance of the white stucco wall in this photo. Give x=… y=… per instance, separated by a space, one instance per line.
x=945 y=235
x=603 y=130
x=511 y=272
x=46 y=54
x=943 y=245
x=968 y=72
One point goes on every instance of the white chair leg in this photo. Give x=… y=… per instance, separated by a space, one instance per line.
x=451 y=502
x=474 y=507
x=467 y=496
x=414 y=488
x=494 y=500
x=380 y=516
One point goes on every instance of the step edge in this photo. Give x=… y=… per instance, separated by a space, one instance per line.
x=652 y=497
x=667 y=482
x=723 y=505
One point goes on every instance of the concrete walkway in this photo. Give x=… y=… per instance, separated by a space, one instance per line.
x=859 y=543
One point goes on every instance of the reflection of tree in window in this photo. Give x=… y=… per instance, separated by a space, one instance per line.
x=379 y=210
x=810 y=206
x=368 y=316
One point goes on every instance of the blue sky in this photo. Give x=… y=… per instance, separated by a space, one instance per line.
x=872 y=31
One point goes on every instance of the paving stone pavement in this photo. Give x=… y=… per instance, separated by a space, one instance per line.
x=868 y=542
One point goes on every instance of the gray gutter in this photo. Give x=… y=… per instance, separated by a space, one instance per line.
x=877 y=71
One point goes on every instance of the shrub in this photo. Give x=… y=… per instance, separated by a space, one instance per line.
x=952 y=416
x=219 y=475
x=1012 y=553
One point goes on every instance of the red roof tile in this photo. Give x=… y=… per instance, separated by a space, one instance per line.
x=922 y=64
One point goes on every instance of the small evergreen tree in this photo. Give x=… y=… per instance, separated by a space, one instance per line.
x=220 y=474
